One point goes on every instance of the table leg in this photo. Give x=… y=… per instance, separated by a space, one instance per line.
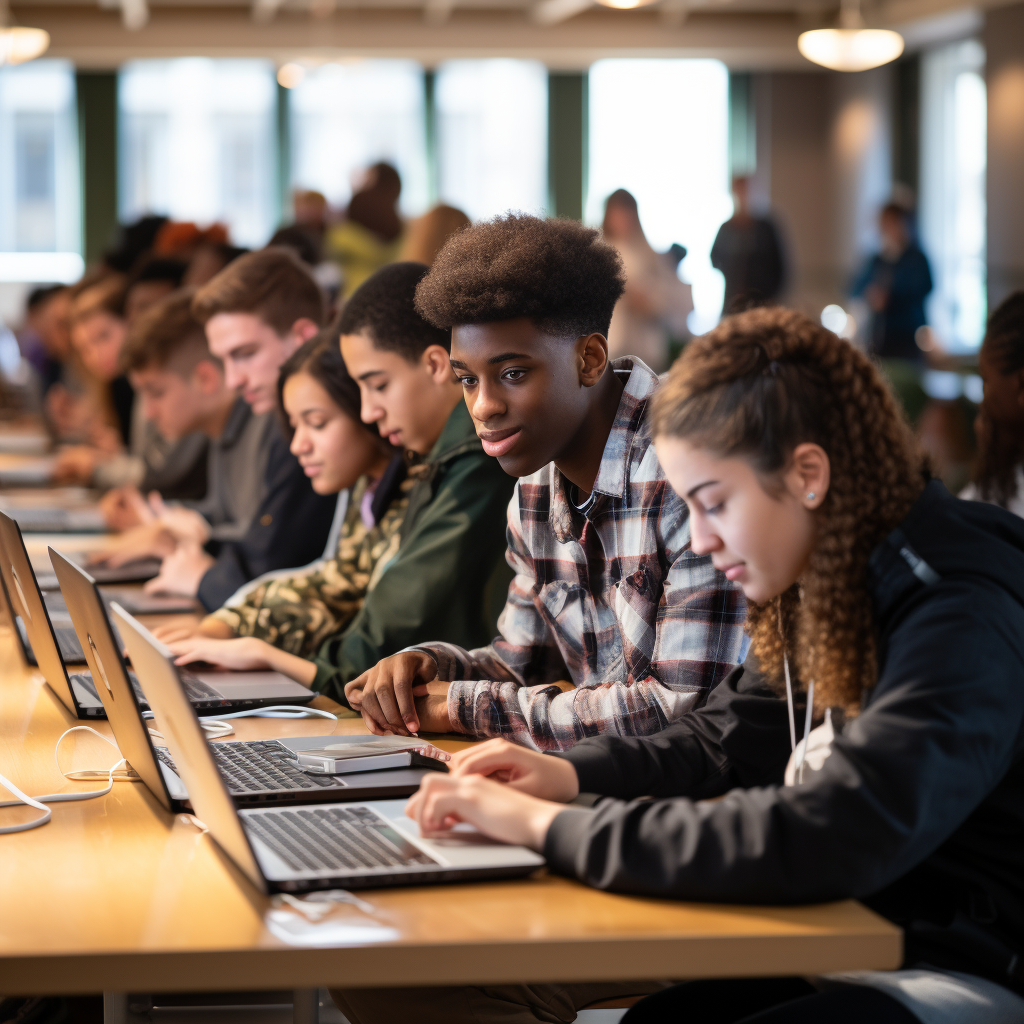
x=115 y=1008
x=305 y=1006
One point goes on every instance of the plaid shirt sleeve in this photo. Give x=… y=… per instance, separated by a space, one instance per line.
x=699 y=640
x=524 y=648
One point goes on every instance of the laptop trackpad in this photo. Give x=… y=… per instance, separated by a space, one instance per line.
x=246 y=685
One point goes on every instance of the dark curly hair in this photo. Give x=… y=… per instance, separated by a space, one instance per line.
x=1001 y=448
x=556 y=273
x=760 y=384
x=383 y=307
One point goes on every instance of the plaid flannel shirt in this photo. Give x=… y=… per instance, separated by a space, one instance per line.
x=611 y=599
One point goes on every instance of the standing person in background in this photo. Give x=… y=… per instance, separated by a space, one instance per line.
x=370 y=235
x=654 y=307
x=894 y=283
x=999 y=474
x=748 y=253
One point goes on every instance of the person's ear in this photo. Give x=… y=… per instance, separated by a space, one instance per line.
x=207 y=377
x=436 y=361
x=591 y=358
x=302 y=330
x=809 y=475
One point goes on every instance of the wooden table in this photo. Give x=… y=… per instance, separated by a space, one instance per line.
x=116 y=895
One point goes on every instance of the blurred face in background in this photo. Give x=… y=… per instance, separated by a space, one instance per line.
x=177 y=405
x=893 y=230
x=52 y=323
x=98 y=337
x=333 y=449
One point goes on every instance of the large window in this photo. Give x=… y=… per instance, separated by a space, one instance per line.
x=39 y=190
x=197 y=142
x=659 y=128
x=492 y=128
x=952 y=207
x=348 y=116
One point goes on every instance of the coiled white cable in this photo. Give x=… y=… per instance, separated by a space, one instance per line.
x=40 y=802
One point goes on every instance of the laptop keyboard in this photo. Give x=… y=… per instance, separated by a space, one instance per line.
x=259 y=766
x=334 y=838
x=197 y=691
x=67 y=641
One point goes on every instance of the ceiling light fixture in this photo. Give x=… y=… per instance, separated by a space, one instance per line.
x=18 y=44
x=625 y=5
x=851 y=47
x=290 y=75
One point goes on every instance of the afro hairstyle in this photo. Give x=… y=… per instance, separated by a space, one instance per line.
x=383 y=308
x=556 y=273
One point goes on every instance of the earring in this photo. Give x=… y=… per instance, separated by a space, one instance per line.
x=811 y=495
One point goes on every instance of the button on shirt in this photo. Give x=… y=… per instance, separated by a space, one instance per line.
x=609 y=598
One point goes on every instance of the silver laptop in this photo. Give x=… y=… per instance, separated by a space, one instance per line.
x=54 y=519
x=309 y=846
x=255 y=772
x=214 y=691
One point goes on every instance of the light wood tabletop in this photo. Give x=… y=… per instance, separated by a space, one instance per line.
x=115 y=895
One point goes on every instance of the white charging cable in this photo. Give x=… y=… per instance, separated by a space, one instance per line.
x=112 y=775
x=216 y=726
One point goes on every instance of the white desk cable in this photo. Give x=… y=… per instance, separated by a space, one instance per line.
x=119 y=772
x=216 y=726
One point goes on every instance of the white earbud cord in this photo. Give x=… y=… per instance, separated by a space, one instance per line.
x=40 y=802
x=798 y=768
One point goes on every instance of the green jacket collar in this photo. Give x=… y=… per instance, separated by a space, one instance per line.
x=457 y=437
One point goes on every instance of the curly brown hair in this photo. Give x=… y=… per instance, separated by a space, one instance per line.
x=755 y=387
x=556 y=273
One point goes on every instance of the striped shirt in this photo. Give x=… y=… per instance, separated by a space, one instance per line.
x=612 y=624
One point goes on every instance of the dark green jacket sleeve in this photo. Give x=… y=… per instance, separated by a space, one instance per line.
x=436 y=586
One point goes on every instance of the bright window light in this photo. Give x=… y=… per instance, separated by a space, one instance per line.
x=659 y=128
x=952 y=207
x=197 y=143
x=39 y=190
x=345 y=117
x=492 y=136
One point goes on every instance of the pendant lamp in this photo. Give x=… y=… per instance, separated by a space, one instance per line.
x=851 y=47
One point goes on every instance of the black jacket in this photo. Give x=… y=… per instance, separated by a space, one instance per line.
x=289 y=529
x=919 y=809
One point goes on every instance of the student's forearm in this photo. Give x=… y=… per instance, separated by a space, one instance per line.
x=291 y=665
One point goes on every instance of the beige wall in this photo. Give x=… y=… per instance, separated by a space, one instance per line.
x=1004 y=45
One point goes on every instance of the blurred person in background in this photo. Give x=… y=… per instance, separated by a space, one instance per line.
x=370 y=235
x=310 y=209
x=98 y=333
x=894 y=283
x=999 y=472
x=427 y=234
x=152 y=279
x=45 y=339
x=653 y=309
x=748 y=253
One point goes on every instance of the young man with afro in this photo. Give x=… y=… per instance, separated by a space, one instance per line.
x=612 y=624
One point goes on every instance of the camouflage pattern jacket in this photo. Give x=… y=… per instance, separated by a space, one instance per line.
x=298 y=612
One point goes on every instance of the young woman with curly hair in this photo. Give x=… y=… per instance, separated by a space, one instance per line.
x=891 y=608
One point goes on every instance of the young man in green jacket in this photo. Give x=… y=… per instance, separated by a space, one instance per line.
x=448 y=577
